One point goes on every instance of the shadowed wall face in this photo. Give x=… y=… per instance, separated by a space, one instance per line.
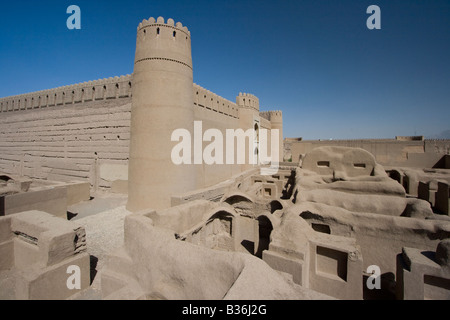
x=70 y=139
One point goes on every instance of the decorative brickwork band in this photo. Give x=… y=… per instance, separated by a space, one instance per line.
x=166 y=59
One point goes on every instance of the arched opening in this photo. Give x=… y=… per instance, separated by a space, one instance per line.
x=217 y=233
x=174 y=34
x=256 y=141
x=320 y=227
x=264 y=230
x=289 y=187
x=395 y=175
x=241 y=204
x=406 y=183
x=234 y=199
x=226 y=221
x=5 y=178
x=275 y=205
x=157 y=31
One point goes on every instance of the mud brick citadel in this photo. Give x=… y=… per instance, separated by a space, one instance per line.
x=363 y=219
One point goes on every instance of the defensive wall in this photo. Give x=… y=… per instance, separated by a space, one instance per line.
x=401 y=152
x=117 y=133
x=82 y=132
x=77 y=132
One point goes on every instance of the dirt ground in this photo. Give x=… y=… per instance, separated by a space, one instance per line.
x=103 y=219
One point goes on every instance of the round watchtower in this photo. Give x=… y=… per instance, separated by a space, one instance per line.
x=162 y=101
x=247 y=101
x=249 y=119
x=276 y=121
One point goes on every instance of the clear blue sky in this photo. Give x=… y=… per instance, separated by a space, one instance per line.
x=313 y=59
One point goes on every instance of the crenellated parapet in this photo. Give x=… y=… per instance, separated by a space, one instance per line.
x=104 y=89
x=210 y=101
x=276 y=121
x=247 y=100
x=273 y=116
x=158 y=40
x=160 y=23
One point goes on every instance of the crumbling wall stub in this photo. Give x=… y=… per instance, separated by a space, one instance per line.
x=39 y=250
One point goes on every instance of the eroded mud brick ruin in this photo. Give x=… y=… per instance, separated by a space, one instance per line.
x=363 y=219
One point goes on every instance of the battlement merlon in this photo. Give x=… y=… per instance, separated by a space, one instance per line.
x=206 y=91
x=275 y=116
x=104 y=89
x=160 y=22
x=205 y=98
x=161 y=42
x=247 y=100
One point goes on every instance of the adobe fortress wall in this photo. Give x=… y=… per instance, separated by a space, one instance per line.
x=77 y=132
x=82 y=132
x=400 y=152
x=116 y=133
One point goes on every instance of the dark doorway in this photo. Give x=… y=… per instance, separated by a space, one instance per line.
x=265 y=229
x=275 y=205
x=248 y=245
x=289 y=186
